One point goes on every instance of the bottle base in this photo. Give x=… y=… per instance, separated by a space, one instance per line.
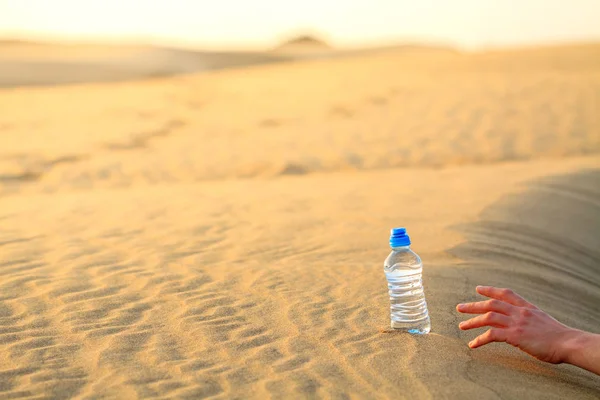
x=421 y=329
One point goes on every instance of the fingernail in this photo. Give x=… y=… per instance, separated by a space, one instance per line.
x=461 y=306
x=461 y=324
x=471 y=343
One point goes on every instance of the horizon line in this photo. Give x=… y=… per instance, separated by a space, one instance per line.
x=198 y=45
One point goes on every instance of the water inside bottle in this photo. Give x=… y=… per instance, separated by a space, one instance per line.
x=408 y=308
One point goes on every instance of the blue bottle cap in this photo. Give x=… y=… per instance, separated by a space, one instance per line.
x=399 y=238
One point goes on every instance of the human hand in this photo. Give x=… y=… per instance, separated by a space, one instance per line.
x=517 y=322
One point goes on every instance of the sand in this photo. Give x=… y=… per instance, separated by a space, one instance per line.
x=222 y=234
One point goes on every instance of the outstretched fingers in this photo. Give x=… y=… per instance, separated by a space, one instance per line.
x=492 y=335
x=504 y=294
x=502 y=311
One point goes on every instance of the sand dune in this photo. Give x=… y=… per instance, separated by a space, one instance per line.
x=25 y=63
x=385 y=110
x=49 y=64
x=222 y=235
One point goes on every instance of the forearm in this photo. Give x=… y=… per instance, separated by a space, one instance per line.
x=582 y=349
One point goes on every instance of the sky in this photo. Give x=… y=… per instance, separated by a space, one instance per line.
x=238 y=24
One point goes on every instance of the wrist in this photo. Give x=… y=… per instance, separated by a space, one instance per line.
x=572 y=346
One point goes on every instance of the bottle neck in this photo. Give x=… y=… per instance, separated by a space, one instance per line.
x=401 y=248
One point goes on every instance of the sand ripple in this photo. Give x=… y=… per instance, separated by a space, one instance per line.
x=216 y=291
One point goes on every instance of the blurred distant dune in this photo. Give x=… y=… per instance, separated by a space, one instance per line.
x=29 y=63
x=38 y=64
x=406 y=106
x=26 y=63
x=304 y=46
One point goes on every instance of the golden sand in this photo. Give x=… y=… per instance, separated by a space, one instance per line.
x=222 y=235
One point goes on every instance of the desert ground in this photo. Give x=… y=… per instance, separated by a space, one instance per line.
x=221 y=233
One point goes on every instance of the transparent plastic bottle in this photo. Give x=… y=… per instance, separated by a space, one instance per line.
x=403 y=267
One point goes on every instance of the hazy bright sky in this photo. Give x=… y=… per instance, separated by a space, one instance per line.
x=255 y=23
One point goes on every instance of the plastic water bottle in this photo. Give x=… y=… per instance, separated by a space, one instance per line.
x=403 y=267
